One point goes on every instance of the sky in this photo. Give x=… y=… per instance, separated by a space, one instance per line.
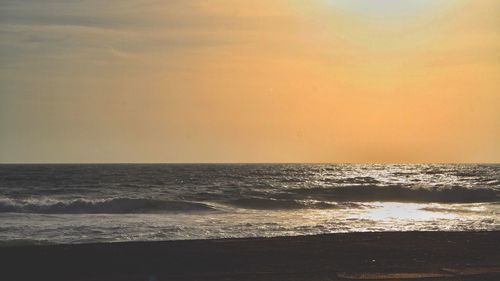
x=370 y=81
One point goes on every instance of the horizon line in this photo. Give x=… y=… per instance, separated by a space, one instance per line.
x=249 y=163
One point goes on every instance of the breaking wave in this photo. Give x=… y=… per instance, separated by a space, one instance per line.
x=104 y=206
x=351 y=196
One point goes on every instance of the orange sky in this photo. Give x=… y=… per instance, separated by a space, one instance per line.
x=250 y=81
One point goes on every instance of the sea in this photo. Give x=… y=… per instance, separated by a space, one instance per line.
x=94 y=203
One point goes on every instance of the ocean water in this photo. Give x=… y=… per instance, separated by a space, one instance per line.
x=127 y=202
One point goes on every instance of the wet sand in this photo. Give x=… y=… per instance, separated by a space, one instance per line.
x=353 y=256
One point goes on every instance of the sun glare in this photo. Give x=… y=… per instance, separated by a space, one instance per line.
x=403 y=211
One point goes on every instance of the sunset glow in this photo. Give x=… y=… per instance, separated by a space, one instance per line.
x=250 y=81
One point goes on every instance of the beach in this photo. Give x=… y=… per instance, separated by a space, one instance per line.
x=155 y=222
x=195 y=140
x=341 y=256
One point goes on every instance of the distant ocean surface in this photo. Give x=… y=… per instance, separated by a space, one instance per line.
x=125 y=202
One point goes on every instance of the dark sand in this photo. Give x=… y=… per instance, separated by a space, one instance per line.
x=365 y=256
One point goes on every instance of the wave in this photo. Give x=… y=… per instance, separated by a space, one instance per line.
x=103 y=206
x=351 y=196
x=451 y=210
x=492 y=208
x=281 y=204
x=372 y=193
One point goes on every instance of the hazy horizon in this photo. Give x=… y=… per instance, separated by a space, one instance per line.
x=249 y=163
x=223 y=81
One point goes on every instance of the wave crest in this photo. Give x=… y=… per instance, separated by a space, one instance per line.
x=104 y=206
x=281 y=204
x=372 y=193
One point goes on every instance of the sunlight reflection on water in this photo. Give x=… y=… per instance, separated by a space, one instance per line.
x=403 y=211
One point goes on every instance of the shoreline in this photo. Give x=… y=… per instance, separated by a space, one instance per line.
x=342 y=256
